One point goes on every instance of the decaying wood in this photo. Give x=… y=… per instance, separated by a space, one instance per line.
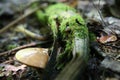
x=76 y=67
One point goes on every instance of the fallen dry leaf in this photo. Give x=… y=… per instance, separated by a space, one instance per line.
x=11 y=69
x=107 y=38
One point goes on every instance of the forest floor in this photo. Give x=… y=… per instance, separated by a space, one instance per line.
x=103 y=21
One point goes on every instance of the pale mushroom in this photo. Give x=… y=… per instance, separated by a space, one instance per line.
x=36 y=57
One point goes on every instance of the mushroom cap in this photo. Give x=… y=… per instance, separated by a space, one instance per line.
x=36 y=57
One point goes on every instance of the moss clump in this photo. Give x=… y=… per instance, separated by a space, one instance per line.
x=56 y=15
x=61 y=17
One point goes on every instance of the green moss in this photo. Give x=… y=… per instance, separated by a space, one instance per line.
x=55 y=16
x=57 y=8
x=61 y=17
x=11 y=46
x=65 y=16
x=53 y=25
x=41 y=16
x=92 y=36
x=76 y=24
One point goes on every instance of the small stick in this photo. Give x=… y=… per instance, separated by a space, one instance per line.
x=17 y=20
x=22 y=29
x=21 y=47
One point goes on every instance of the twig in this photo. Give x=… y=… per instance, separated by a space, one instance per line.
x=99 y=12
x=21 y=47
x=22 y=29
x=7 y=61
x=18 y=20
